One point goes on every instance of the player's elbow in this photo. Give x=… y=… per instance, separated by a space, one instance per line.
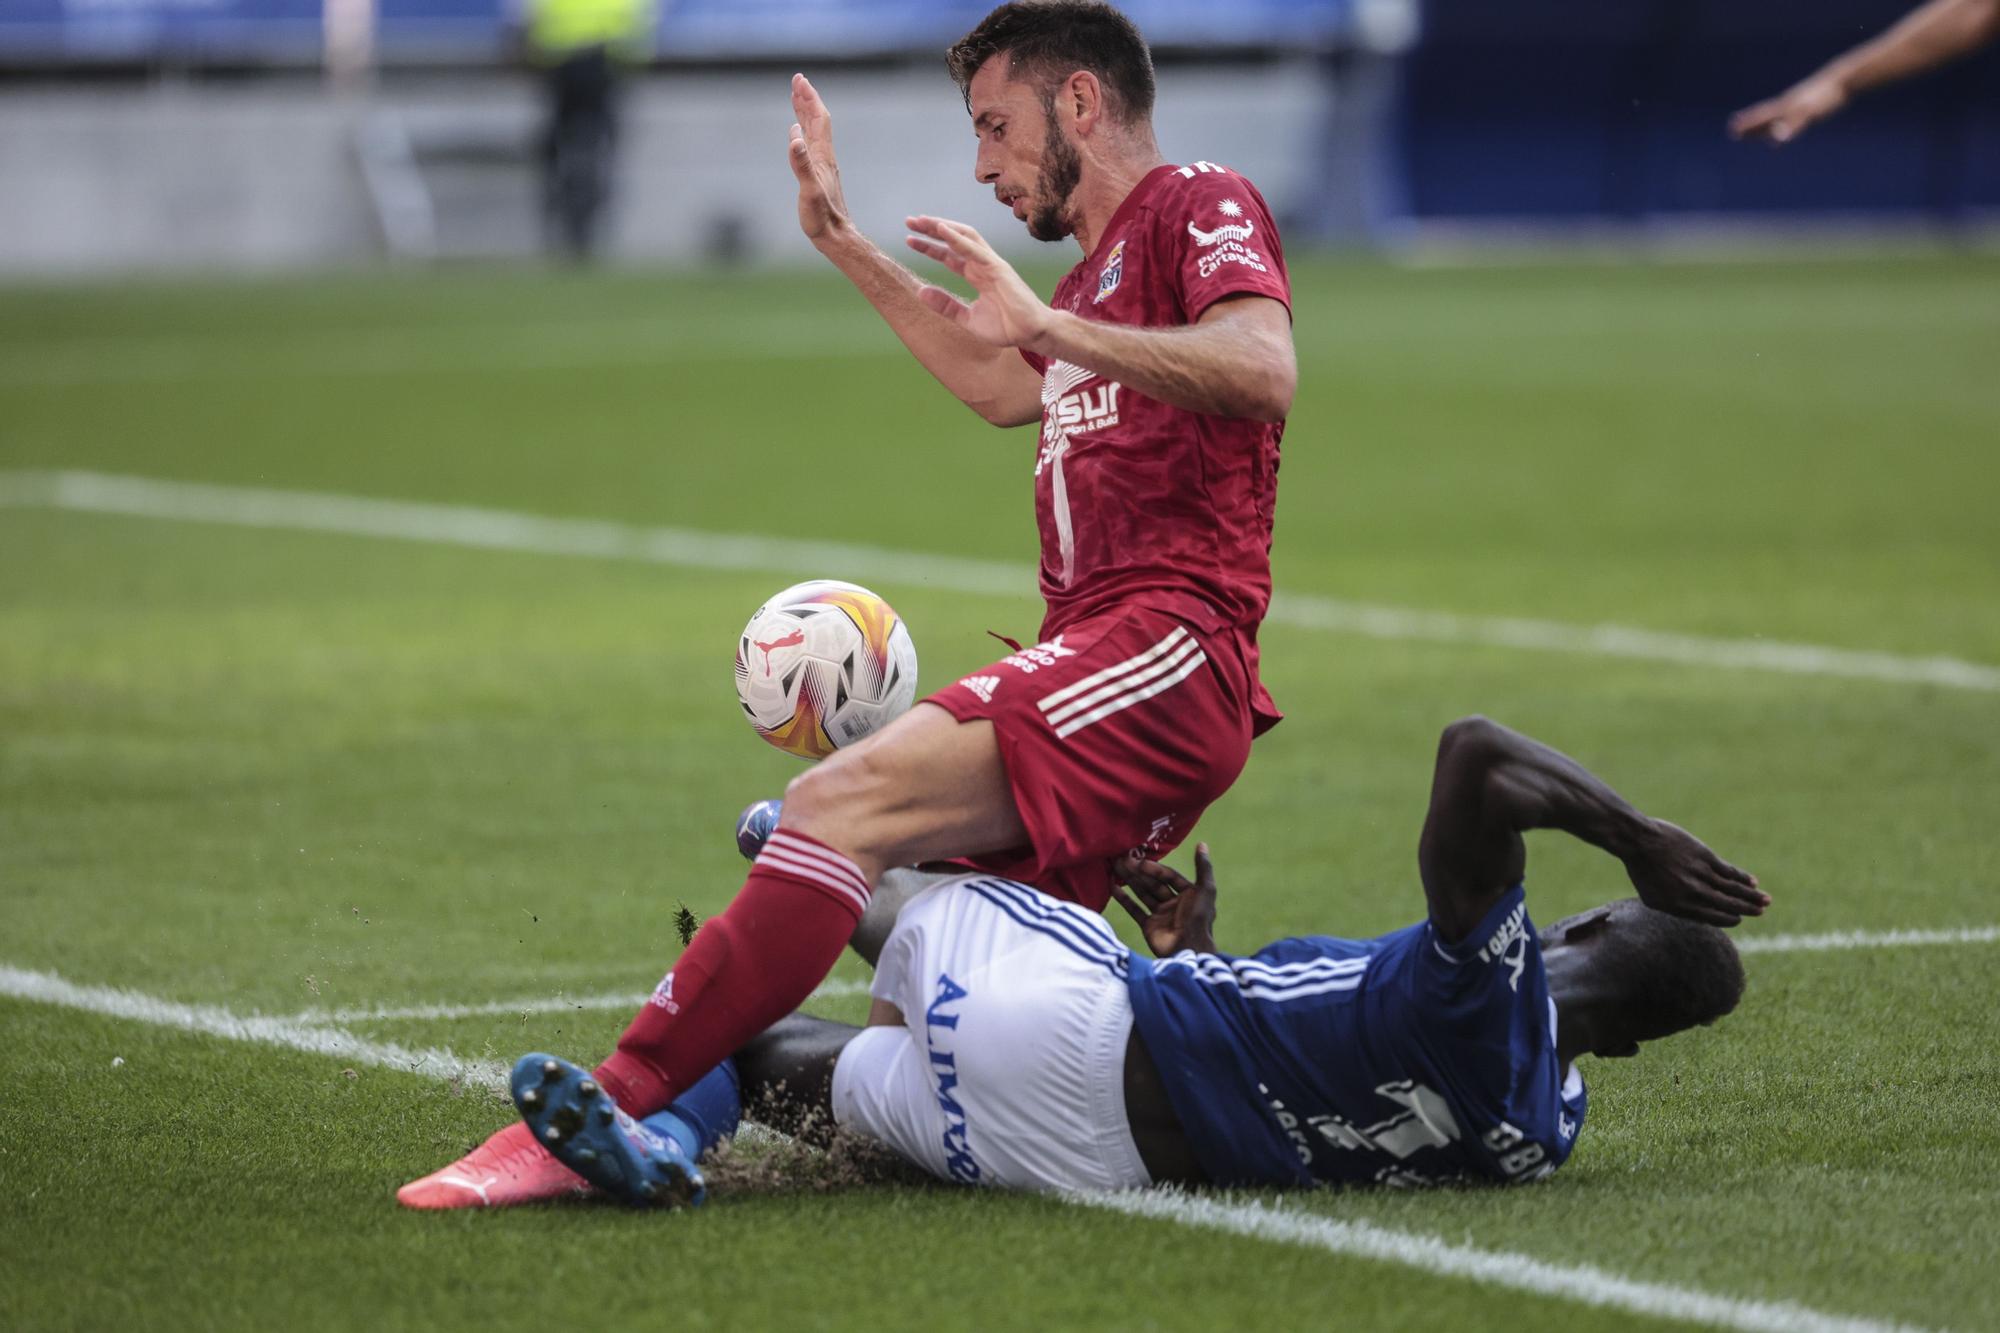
x=1471 y=744
x=1269 y=392
x=998 y=412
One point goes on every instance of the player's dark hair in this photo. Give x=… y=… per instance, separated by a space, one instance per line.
x=1674 y=973
x=1048 y=40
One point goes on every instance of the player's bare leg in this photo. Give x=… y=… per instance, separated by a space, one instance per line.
x=927 y=787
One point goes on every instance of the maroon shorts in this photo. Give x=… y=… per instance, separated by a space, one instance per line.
x=1116 y=734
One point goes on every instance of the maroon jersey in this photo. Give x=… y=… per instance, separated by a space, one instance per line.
x=1144 y=504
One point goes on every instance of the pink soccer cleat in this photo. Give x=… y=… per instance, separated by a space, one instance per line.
x=508 y=1168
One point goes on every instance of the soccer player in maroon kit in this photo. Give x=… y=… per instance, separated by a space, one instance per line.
x=1161 y=373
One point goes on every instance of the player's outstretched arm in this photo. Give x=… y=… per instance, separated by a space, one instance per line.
x=1940 y=31
x=1235 y=361
x=1492 y=784
x=992 y=381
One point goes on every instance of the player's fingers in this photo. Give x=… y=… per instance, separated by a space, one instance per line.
x=1168 y=876
x=942 y=256
x=801 y=159
x=1156 y=892
x=1204 y=868
x=1739 y=883
x=944 y=303
x=955 y=234
x=1744 y=898
x=931 y=249
x=1138 y=913
x=1750 y=120
x=1710 y=914
x=807 y=99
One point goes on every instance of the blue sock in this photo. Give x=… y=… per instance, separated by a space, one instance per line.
x=703 y=1115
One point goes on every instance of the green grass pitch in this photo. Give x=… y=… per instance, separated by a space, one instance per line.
x=277 y=770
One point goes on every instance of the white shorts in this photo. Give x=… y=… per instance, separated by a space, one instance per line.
x=1009 y=1068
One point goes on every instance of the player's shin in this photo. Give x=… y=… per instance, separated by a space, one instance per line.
x=745 y=970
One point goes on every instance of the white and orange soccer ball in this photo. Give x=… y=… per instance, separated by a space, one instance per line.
x=823 y=664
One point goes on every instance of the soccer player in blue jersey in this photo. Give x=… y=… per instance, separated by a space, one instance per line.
x=1015 y=1042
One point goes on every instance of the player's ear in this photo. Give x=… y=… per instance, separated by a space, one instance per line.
x=1083 y=96
x=1576 y=929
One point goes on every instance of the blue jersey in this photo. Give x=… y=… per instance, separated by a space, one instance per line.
x=1401 y=1060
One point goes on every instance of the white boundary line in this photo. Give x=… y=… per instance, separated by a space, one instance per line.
x=832 y=989
x=492 y=529
x=1520 y=1272
x=1867 y=939
x=215 y=1021
x=846 y=987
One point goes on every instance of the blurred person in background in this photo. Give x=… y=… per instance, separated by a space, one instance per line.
x=1933 y=35
x=581 y=46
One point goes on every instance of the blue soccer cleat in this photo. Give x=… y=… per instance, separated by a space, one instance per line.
x=755 y=826
x=581 y=1125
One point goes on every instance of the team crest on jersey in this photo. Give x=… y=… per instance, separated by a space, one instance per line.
x=1111 y=274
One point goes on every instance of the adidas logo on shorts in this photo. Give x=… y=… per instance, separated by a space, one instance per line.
x=983 y=686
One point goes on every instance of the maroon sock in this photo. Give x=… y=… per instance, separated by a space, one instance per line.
x=745 y=970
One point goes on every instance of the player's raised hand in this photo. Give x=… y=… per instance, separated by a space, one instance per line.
x=1172 y=914
x=1677 y=873
x=1783 y=118
x=1007 y=312
x=822 y=203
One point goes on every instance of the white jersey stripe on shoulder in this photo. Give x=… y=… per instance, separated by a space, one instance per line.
x=1214 y=971
x=1130 y=680
x=1124 y=701
x=1129 y=664
x=1274 y=973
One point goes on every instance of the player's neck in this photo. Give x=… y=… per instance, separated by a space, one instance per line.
x=1107 y=185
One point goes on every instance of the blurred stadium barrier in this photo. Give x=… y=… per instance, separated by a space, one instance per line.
x=284 y=133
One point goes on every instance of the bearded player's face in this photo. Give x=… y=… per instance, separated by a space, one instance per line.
x=1023 y=153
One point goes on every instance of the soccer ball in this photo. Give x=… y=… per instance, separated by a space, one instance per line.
x=823 y=664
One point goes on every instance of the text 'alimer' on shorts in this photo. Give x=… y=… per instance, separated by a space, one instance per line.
x=1009 y=1067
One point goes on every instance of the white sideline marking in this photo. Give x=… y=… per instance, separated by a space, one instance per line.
x=215 y=1021
x=1362 y=1240
x=493 y=529
x=1867 y=939
x=1519 y=1272
x=833 y=988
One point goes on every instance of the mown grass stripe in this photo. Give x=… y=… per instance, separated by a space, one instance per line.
x=493 y=529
